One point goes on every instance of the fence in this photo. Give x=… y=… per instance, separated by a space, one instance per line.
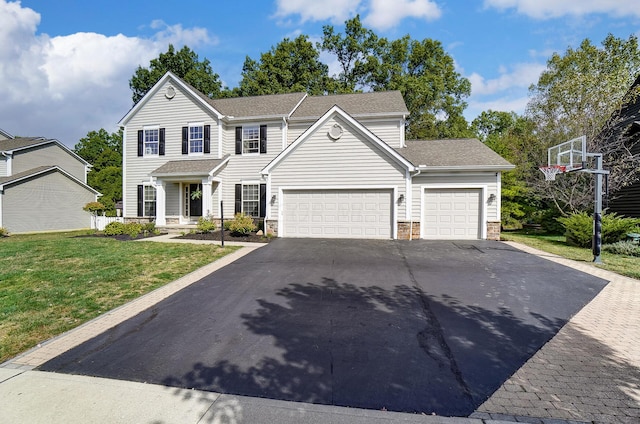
x=99 y=222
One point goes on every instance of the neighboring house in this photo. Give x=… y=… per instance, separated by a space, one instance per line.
x=626 y=201
x=311 y=166
x=43 y=185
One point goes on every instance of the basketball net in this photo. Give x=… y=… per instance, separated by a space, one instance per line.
x=550 y=172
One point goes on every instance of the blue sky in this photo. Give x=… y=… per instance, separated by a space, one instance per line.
x=65 y=64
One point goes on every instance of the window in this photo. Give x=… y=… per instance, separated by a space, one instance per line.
x=151 y=141
x=196 y=139
x=250 y=200
x=149 y=201
x=250 y=140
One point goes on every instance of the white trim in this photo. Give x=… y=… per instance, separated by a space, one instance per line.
x=215 y=170
x=268 y=206
x=146 y=128
x=220 y=139
x=336 y=110
x=242 y=140
x=483 y=202
x=284 y=129
x=489 y=168
x=194 y=125
x=9 y=157
x=408 y=196
x=161 y=202
x=177 y=81
x=43 y=171
x=124 y=171
x=1 y=196
x=394 y=205
x=498 y=196
x=297 y=105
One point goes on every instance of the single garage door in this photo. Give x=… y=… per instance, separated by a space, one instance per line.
x=337 y=213
x=452 y=214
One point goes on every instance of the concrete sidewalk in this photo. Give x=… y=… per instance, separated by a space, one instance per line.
x=589 y=372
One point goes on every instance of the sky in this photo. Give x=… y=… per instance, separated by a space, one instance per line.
x=65 y=65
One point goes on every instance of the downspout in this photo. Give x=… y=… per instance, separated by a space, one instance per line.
x=411 y=218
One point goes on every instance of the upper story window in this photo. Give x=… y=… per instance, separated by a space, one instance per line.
x=251 y=139
x=196 y=139
x=151 y=141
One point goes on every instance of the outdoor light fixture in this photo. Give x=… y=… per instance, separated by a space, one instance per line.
x=401 y=199
x=273 y=199
x=492 y=198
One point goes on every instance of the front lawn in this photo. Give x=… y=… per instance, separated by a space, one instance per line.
x=50 y=283
x=623 y=265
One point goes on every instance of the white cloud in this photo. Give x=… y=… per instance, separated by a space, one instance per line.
x=503 y=104
x=336 y=11
x=62 y=87
x=385 y=14
x=521 y=75
x=545 y=9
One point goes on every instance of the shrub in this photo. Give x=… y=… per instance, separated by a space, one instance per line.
x=579 y=228
x=627 y=248
x=114 y=228
x=242 y=224
x=149 y=228
x=133 y=229
x=206 y=225
x=4 y=232
x=94 y=207
x=226 y=225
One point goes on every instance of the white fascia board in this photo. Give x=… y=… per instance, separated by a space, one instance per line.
x=169 y=75
x=51 y=141
x=43 y=171
x=259 y=118
x=217 y=168
x=336 y=110
x=427 y=169
x=297 y=105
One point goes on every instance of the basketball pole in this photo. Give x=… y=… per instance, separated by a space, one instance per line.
x=596 y=243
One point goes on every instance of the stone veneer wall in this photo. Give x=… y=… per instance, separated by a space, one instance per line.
x=405 y=227
x=493 y=230
x=272 y=227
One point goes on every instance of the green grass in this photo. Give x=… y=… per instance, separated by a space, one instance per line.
x=623 y=265
x=50 y=283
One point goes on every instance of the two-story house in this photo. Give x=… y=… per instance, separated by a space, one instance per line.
x=43 y=185
x=333 y=166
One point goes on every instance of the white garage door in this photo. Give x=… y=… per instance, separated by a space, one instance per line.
x=337 y=214
x=452 y=214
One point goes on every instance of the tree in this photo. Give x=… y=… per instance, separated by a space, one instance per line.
x=356 y=52
x=432 y=89
x=291 y=66
x=185 y=64
x=578 y=94
x=104 y=152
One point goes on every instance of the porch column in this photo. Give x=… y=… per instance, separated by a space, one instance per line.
x=207 y=199
x=161 y=208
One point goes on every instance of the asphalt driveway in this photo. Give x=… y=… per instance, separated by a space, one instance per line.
x=420 y=326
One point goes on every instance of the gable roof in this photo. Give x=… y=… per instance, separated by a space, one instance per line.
x=337 y=111
x=382 y=103
x=22 y=143
x=15 y=178
x=452 y=154
x=276 y=105
x=190 y=167
x=4 y=134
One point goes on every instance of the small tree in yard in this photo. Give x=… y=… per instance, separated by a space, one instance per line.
x=94 y=208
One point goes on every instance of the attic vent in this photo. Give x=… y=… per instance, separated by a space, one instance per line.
x=335 y=132
x=170 y=93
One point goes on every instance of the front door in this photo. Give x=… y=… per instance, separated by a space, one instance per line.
x=195 y=199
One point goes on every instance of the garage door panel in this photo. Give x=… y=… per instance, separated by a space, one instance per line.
x=337 y=213
x=452 y=213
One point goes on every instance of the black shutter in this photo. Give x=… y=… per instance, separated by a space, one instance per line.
x=140 y=143
x=161 y=143
x=238 y=140
x=140 y=200
x=263 y=139
x=238 y=207
x=185 y=140
x=207 y=138
x=263 y=200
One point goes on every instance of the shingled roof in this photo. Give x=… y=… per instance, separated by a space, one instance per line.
x=189 y=167
x=452 y=153
x=267 y=105
x=20 y=143
x=357 y=104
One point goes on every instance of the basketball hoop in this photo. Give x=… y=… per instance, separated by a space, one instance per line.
x=550 y=172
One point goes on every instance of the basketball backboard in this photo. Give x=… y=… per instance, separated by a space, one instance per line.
x=572 y=154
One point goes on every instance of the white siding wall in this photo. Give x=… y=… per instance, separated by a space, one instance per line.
x=3 y=166
x=347 y=162
x=47 y=155
x=389 y=131
x=172 y=115
x=460 y=180
x=48 y=202
x=295 y=129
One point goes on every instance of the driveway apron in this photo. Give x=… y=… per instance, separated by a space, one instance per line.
x=429 y=327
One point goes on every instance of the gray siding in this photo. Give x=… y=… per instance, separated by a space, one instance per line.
x=171 y=115
x=48 y=202
x=452 y=180
x=47 y=155
x=3 y=166
x=389 y=131
x=349 y=161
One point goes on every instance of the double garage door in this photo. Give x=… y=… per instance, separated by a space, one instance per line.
x=452 y=214
x=337 y=213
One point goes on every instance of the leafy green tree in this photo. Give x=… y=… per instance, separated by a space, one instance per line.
x=185 y=64
x=433 y=91
x=291 y=66
x=580 y=93
x=104 y=152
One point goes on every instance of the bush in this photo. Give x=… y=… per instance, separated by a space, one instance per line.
x=114 y=228
x=579 y=228
x=242 y=225
x=94 y=207
x=226 y=225
x=627 y=248
x=4 y=232
x=206 y=225
x=133 y=229
x=149 y=228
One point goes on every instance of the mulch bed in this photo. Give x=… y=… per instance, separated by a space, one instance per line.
x=228 y=236
x=122 y=237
